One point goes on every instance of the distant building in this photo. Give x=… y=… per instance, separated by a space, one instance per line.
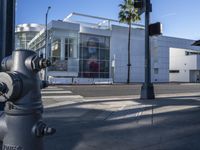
x=91 y=53
x=184 y=65
x=24 y=33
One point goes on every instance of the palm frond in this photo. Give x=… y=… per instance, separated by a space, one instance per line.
x=128 y=13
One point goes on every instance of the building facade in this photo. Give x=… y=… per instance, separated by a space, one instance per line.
x=184 y=65
x=24 y=33
x=88 y=54
x=175 y=50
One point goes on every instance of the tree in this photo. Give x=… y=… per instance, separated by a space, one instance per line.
x=128 y=15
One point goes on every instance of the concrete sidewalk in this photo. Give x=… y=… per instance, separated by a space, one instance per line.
x=161 y=124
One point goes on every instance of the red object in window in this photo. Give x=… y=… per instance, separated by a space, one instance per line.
x=94 y=67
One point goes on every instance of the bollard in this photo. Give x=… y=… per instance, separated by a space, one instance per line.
x=21 y=125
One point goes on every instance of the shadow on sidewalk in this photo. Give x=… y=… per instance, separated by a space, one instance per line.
x=148 y=127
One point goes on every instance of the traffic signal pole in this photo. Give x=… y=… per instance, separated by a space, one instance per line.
x=2 y=29
x=10 y=27
x=7 y=27
x=147 y=89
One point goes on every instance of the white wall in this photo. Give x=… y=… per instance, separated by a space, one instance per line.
x=176 y=60
x=119 y=48
x=182 y=62
x=198 y=62
x=160 y=60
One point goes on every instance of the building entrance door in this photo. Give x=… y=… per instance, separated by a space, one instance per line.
x=195 y=76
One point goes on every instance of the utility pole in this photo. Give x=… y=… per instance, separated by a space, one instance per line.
x=147 y=90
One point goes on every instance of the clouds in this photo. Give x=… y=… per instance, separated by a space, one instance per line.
x=168 y=15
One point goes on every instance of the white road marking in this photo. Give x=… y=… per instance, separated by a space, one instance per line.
x=112 y=98
x=52 y=89
x=60 y=104
x=56 y=92
x=62 y=96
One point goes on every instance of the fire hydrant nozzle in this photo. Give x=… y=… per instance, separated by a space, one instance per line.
x=41 y=129
x=44 y=63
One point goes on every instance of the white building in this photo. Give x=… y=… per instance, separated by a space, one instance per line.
x=175 y=50
x=184 y=65
x=92 y=53
x=24 y=33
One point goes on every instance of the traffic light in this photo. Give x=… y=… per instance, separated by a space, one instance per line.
x=155 y=29
x=139 y=4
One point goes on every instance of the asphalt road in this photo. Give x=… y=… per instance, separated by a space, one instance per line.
x=123 y=90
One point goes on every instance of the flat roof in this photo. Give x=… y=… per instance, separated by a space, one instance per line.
x=95 y=21
x=29 y=27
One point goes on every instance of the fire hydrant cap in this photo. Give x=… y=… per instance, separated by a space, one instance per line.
x=13 y=85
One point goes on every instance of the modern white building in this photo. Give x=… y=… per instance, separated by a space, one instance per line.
x=184 y=65
x=24 y=33
x=83 y=53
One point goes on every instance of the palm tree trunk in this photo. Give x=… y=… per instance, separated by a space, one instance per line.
x=129 y=54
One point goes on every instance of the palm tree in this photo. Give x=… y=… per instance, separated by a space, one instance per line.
x=128 y=15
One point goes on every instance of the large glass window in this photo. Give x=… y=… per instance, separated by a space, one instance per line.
x=55 y=48
x=57 y=63
x=94 y=56
x=70 y=47
x=23 y=38
x=64 y=54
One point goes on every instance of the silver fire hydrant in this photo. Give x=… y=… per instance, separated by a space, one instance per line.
x=21 y=125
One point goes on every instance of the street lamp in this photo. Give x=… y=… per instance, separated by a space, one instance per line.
x=46 y=42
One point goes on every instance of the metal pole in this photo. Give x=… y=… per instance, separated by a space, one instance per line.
x=147 y=49
x=46 y=41
x=147 y=90
x=2 y=28
x=2 y=37
x=10 y=27
x=7 y=30
x=7 y=27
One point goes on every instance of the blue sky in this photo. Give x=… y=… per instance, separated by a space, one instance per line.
x=180 y=18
